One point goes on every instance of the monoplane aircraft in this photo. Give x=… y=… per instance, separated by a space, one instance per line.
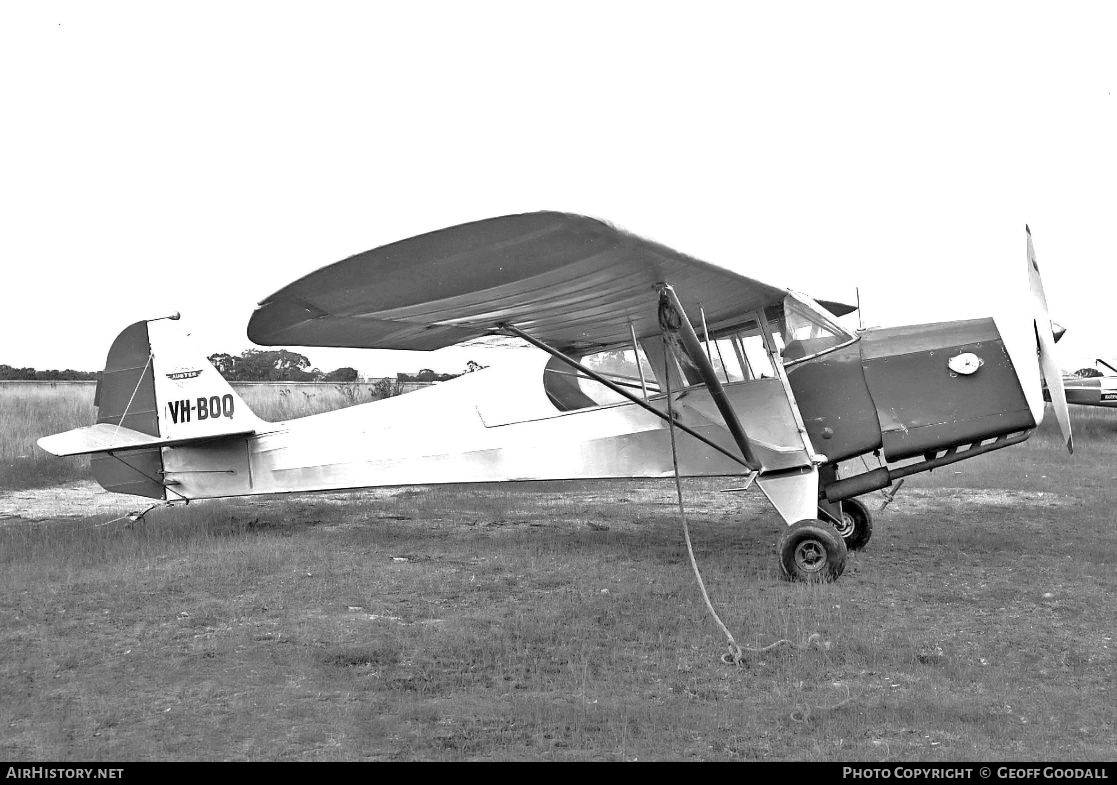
x=1100 y=390
x=640 y=345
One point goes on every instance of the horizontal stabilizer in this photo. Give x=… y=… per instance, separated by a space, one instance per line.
x=104 y=437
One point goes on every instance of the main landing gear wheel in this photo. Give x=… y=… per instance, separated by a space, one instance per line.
x=855 y=524
x=812 y=551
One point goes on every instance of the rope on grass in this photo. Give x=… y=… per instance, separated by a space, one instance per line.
x=814 y=641
x=734 y=649
x=736 y=653
x=803 y=712
x=132 y=517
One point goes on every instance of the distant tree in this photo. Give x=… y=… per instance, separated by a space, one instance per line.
x=426 y=375
x=1088 y=373
x=225 y=364
x=345 y=374
x=81 y=375
x=279 y=365
x=385 y=388
x=257 y=365
x=9 y=373
x=471 y=366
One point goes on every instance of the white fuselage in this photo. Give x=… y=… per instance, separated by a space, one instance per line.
x=488 y=426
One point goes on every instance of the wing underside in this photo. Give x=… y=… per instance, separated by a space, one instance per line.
x=569 y=280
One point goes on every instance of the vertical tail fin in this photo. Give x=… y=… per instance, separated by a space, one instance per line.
x=193 y=399
x=156 y=383
x=156 y=391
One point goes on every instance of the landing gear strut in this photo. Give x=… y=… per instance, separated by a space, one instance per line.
x=854 y=522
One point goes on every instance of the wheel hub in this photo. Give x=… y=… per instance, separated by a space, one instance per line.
x=845 y=525
x=810 y=556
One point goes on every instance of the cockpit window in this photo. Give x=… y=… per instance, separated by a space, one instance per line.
x=741 y=354
x=568 y=389
x=810 y=329
x=620 y=367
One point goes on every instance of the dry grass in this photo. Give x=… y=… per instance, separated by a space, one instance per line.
x=30 y=411
x=562 y=622
x=274 y=402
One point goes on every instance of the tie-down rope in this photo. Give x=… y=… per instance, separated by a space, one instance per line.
x=736 y=653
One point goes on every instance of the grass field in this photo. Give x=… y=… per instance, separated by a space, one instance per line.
x=562 y=622
x=28 y=411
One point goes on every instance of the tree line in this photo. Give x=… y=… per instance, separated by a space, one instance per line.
x=251 y=365
x=8 y=373
x=281 y=365
x=276 y=365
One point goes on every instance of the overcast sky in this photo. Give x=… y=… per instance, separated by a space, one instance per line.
x=199 y=156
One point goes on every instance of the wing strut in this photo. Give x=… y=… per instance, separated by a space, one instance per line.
x=623 y=392
x=673 y=321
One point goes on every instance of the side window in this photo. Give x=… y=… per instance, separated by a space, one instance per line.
x=736 y=357
x=569 y=389
x=727 y=359
x=620 y=367
x=760 y=363
x=742 y=356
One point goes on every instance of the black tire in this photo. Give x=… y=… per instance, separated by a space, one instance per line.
x=855 y=524
x=812 y=551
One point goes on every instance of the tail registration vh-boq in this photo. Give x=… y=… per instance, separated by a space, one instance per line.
x=642 y=348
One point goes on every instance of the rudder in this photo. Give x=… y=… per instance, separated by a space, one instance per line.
x=125 y=398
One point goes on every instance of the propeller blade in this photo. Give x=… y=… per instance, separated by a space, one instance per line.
x=1045 y=336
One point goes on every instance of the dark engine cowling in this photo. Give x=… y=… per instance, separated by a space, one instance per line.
x=895 y=390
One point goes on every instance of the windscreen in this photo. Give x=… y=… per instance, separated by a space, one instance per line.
x=810 y=329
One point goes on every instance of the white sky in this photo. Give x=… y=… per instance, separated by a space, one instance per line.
x=199 y=156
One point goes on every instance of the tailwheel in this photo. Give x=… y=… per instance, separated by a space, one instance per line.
x=812 y=551
x=855 y=524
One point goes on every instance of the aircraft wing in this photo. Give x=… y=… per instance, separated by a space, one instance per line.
x=569 y=280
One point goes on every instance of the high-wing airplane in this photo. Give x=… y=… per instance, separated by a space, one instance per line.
x=640 y=345
x=1098 y=390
